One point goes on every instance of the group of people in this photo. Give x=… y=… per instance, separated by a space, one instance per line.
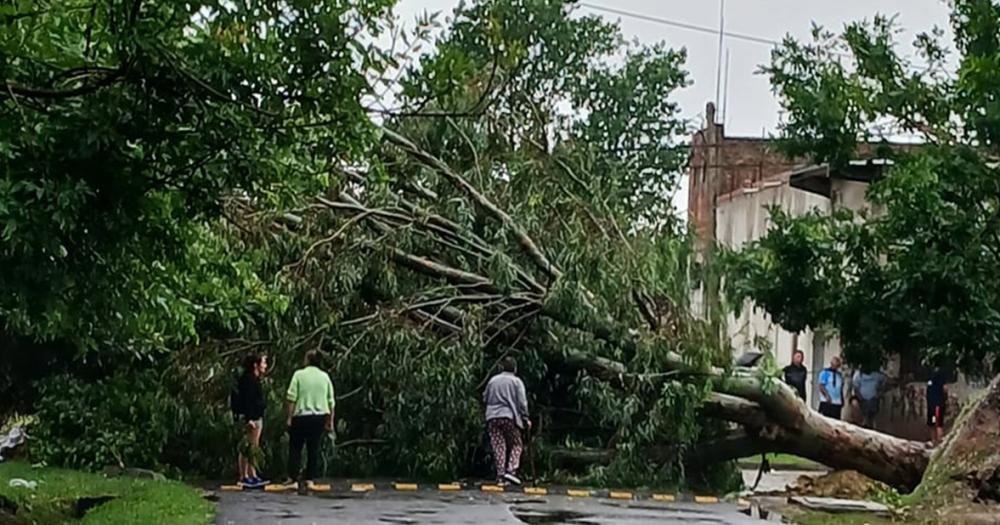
x=309 y=415
x=867 y=387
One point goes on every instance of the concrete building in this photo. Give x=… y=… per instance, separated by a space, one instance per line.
x=732 y=183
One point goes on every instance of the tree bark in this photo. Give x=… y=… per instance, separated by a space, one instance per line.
x=776 y=420
x=800 y=430
x=962 y=482
x=735 y=446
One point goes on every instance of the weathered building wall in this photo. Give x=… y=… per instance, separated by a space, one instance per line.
x=732 y=183
x=742 y=216
x=719 y=165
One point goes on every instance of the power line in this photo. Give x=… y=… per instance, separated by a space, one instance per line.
x=915 y=67
x=681 y=25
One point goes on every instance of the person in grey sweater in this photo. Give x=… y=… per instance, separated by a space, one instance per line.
x=506 y=417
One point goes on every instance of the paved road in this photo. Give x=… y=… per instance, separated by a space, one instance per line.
x=388 y=508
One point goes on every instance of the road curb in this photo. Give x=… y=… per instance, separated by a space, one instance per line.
x=491 y=488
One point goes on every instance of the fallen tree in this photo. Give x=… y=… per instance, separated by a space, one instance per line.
x=520 y=228
x=770 y=416
x=455 y=219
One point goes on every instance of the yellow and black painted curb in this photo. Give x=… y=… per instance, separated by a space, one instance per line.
x=363 y=487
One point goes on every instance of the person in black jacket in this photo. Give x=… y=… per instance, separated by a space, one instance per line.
x=247 y=403
x=795 y=374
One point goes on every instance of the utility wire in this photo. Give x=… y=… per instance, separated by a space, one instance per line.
x=681 y=25
x=915 y=67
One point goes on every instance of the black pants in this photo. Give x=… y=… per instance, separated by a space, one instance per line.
x=308 y=431
x=830 y=410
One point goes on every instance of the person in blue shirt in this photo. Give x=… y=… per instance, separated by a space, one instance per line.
x=831 y=389
x=868 y=387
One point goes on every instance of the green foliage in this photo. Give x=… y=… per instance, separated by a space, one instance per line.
x=253 y=453
x=550 y=115
x=888 y=496
x=132 y=419
x=95 y=424
x=588 y=184
x=915 y=276
x=118 y=142
x=135 y=501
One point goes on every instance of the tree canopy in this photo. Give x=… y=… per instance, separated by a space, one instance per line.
x=511 y=203
x=220 y=178
x=124 y=125
x=188 y=185
x=914 y=276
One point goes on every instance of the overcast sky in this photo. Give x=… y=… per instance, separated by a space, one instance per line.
x=751 y=108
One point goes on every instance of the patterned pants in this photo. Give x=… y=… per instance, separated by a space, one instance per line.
x=505 y=437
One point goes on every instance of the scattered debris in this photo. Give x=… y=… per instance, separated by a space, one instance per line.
x=837 y=505
x=137 y=473
x=18 y=483
x=14 y=438
x=848 y=484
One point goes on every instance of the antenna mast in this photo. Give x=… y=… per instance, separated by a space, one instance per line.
x=718 y=63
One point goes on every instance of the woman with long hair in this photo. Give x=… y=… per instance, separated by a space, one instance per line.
x=248 y=406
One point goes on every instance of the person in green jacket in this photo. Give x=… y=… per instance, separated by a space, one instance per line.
x=309 y=410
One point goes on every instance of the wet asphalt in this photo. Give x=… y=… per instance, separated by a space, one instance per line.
x=253 y=508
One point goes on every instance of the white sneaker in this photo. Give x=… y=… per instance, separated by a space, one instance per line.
x=512 y=478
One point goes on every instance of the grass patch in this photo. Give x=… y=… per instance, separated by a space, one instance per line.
x=135 y=501
x=805 y=517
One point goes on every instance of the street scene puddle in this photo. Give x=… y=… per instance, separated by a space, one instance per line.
x=543 y=517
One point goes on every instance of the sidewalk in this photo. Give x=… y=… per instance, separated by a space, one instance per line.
x=461 y=508
x=775 y=481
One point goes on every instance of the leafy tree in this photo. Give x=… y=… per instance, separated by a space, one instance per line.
x=526 y=164
x=122 y=126
x=915 y=276
x=513 y=203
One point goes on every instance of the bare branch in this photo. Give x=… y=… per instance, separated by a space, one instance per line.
x=735 y=409
x=528 y=245
x=645 y=310
x=14 y=89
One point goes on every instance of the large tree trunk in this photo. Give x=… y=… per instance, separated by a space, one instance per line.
x=962 y=482
x=778 y=417
x=774 y=419
x=836 y=444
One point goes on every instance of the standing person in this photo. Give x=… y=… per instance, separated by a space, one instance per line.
x=937 y=400
x=867 y=387
x=309 y=410
x=247 y=403
x=831 y=389
x=854 y=413
x=506 y=416
x=795 y=374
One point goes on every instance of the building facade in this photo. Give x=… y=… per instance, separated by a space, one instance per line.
x=733 y=181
